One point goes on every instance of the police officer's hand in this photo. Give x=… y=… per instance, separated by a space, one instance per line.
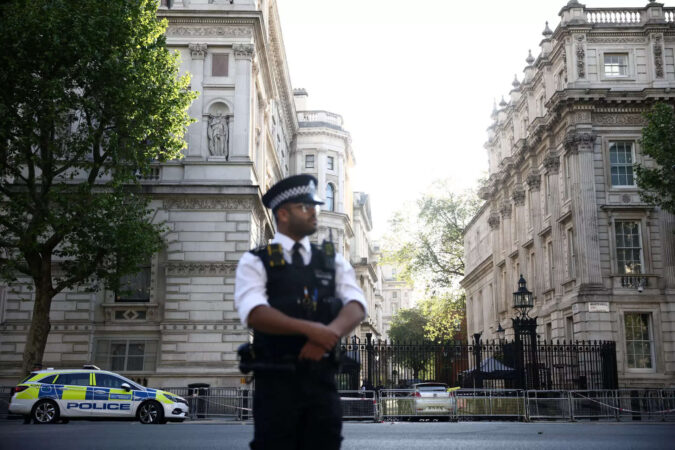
x=312 y=352
x=322 y=336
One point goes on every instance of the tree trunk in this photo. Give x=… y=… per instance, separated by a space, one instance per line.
x=39 y=326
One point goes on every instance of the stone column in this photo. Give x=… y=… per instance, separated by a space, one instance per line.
x=584 y=207
x=340 y=194
x=552 y=168
x=241 y=129
x=534 y=185
x=197 y=130
x=493 y=223
x=668 y=245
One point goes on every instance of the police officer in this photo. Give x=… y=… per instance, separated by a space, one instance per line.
x=280 y=289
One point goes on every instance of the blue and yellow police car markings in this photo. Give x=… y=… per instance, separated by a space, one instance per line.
x=140 y=395
x=97 y=393
x=51 y=391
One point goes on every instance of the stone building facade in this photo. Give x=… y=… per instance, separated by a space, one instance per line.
x=396 y=295
x=176 y=324
x=561 y=203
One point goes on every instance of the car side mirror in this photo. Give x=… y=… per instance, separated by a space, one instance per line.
x=126 y=387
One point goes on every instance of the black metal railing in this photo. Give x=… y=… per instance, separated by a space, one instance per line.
x=563 y=365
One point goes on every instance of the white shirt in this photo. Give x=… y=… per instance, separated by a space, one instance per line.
x=251 y=280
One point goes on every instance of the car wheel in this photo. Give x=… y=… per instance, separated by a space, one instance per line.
x=45 y=411
x=151 y=412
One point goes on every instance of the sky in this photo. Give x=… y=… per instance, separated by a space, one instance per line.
x=415 y=81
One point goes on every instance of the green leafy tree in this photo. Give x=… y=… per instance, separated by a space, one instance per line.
x=407 y=327
x=445 y=316
x=427 y=242
x=89 y=97
x=657 y=184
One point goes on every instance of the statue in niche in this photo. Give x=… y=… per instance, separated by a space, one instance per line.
x=218 y=135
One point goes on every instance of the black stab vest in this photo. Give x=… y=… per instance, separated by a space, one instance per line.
x=286 y=286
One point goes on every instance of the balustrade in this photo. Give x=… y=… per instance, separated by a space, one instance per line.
x=613 y=16
x=320 y=116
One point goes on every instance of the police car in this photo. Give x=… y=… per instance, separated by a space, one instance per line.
x=46 y=396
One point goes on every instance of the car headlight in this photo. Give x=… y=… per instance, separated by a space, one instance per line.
x=175 y=399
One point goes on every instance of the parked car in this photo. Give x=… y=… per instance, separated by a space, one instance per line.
x=46 y=396
x=433 y=399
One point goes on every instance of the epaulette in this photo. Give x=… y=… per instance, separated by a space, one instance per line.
x=275 y=254
x=328 y=250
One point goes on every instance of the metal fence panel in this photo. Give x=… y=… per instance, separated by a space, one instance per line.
x=359 y=404
x=594 y=405
x=490 y=403
x=548 y=405
x=645 y=404
x=217 y=402
x=5 y=395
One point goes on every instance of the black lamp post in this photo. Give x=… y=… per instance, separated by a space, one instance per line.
x=522 y=298
x=500 y=332
x=525 y=338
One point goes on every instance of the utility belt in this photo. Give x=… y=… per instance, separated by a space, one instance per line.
x=252 y=360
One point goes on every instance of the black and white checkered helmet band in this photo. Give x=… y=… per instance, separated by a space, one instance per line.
x=296 y=191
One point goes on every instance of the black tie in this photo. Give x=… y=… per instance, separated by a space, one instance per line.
x=297 y=257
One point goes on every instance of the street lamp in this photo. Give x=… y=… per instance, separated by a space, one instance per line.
x=522 y=298
x=500 y=332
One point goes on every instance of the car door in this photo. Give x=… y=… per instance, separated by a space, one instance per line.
x=71 y=389
x=112 y=399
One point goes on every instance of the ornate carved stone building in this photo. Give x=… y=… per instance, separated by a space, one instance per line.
x=177 y=323
x=562 y=207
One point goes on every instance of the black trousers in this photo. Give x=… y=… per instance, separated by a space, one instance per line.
x=299 y=410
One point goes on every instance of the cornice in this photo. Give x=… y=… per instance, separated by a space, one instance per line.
x=483 y=268
x=326 y=132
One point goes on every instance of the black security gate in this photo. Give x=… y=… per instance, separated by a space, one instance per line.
x=519 y=364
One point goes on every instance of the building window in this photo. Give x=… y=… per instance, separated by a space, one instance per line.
x=126 y=355
x=616 y=64
x=219 y=64
x=309 y=161
x=551 y=269
x=134 y=287
x=547 y=194
x=330 y=197
x=394 y=294
x=569 y=328
x=628 y=247
x=639 y=343
x=571 y=255
x=331 y=163
x=568 y=176
x=621 y=163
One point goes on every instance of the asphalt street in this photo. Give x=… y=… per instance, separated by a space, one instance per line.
x=389 y=435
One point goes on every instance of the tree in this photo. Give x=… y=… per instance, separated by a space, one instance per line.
x=89 y=97
x=657 y=184
x=429 y=243
x=445 y=317
x=407 y=327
